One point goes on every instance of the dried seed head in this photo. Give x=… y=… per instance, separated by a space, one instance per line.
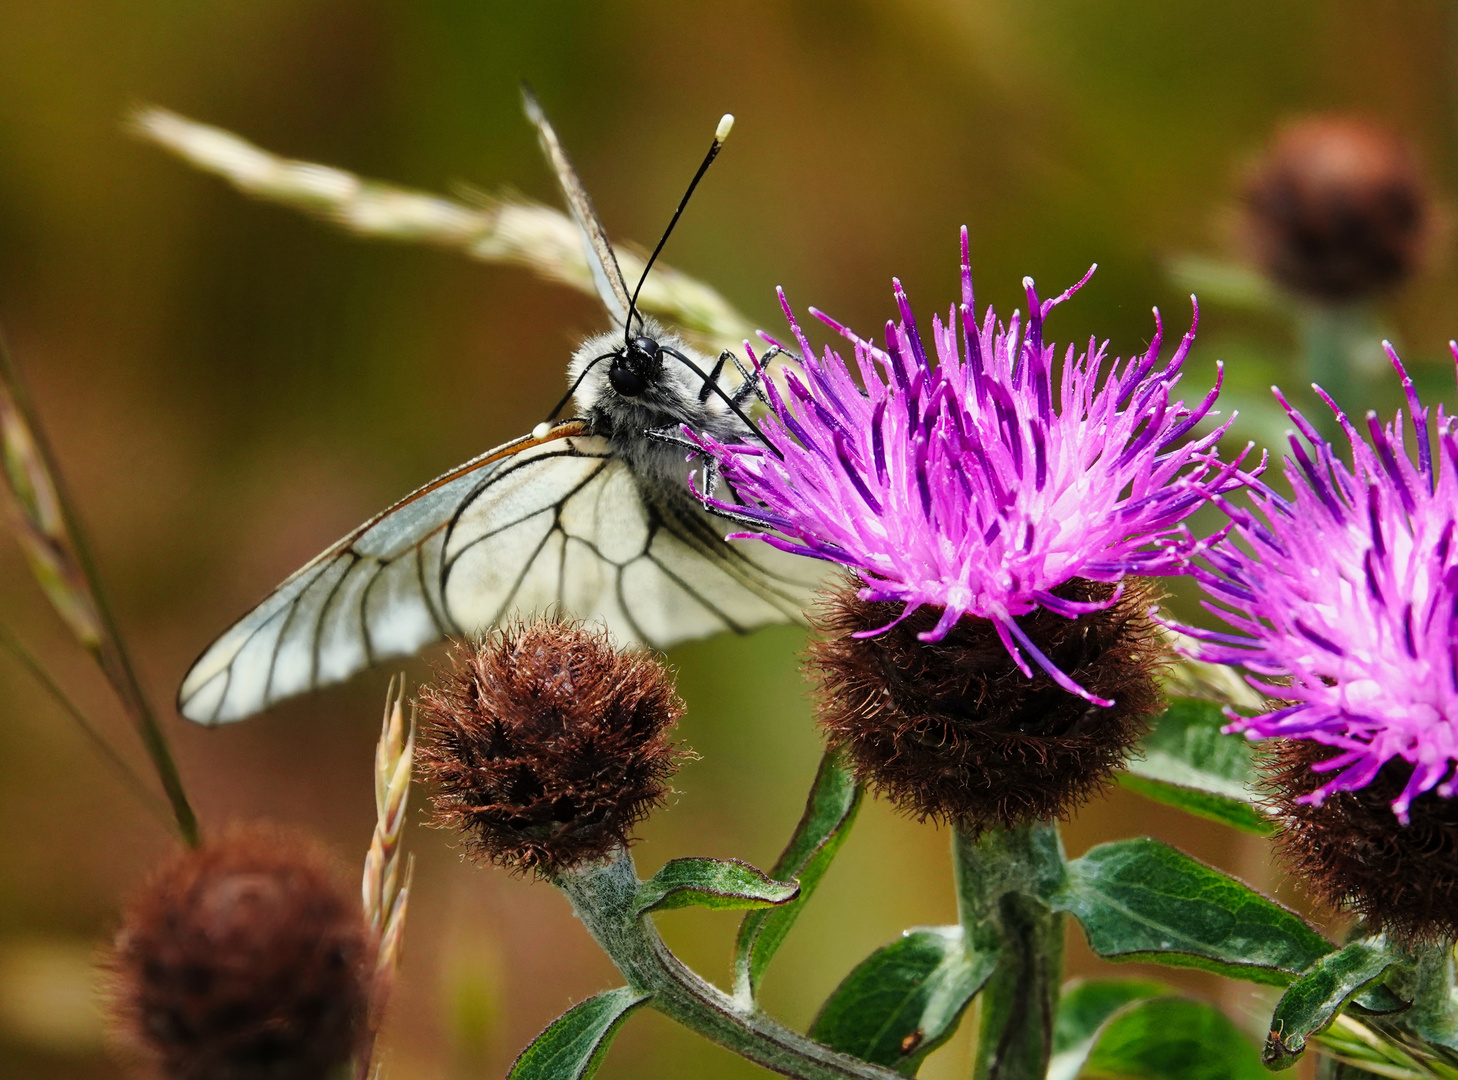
x=243 y=960
x=951 y=730
x=1338 y=210
x=1356 y=855
x=548 y=744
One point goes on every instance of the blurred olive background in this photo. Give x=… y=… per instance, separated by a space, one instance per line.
x=230 y=386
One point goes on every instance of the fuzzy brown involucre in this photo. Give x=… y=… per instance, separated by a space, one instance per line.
x=1355 y=855
x=547 y=744
x=243 y=960
x=951 y=730
x=1338 y=209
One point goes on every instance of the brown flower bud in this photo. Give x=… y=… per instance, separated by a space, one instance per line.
x=951 y=730
x=1338 y=210
x=548 y=744
x=1355 y=855
x=243 y=960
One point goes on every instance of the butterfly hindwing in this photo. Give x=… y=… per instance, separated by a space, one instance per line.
x=572 y=529
x=536 y=525
x=373 y=595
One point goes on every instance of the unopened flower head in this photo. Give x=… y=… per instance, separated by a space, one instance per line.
x=981 y=483
x=547 y=743
x=1344 y=600
x=1338 y=209
x=244 y=960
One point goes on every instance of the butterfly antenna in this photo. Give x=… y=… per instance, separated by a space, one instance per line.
x=540 y=431
x=726 y=124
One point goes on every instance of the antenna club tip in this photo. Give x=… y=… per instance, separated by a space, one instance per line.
x=726 y=125
x=541 y=431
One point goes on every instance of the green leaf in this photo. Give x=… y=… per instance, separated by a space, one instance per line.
x=1224 y=281
x=1189 y=763
x=904 y=1000
x=574 y=1044
x=829 y=811
x=1313 y=1001
x=1142 y=900
x=1083 y=1006
x=711 y=883
x=1172 y=1038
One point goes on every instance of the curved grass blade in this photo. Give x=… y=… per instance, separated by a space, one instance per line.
x=50 y=534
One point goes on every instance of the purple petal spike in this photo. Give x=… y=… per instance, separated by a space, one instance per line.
x=1346 y=596
x=982 y=479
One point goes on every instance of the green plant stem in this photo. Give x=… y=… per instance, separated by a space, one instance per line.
x=108 y=753
x=1434 y=1012
x=1000 y=876
x=110 y=652
x=604 y=896
x=1333 y=342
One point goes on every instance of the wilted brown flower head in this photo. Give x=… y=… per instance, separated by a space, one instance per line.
x=548 y=744
x=1337 y=209
x=951 y=730
x=242 y=960
x=1353 y=852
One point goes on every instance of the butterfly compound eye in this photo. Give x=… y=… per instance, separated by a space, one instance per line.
x=625 y=380
x=636 y=366
x=645 y=349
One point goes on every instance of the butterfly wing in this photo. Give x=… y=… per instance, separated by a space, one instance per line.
x=601 y=260
x=373 y=595
x=596 y=544
x=559 y=523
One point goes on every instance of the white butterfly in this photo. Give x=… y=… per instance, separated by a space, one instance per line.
x=592 y=517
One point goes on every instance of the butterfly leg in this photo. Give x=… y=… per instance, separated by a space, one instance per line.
x=750 y=384
x=709 y=480
x=714 y=375
x=672 y=436
x=719 y=509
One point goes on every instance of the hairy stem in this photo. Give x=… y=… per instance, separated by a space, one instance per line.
x=604 y=896
x=1001 y=876
x=1434 y=1012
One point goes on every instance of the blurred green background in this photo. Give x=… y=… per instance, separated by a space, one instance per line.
x=230 y=386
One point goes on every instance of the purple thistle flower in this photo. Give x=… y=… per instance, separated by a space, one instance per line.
x=1350 y=594
x=981 y=483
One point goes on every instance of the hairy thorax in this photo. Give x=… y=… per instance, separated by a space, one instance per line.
x=641 y=428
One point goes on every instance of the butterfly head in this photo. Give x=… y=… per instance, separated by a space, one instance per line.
x=636 y=366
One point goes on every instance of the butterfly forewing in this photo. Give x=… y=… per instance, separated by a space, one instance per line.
x=558 y=523
x=607 y=277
